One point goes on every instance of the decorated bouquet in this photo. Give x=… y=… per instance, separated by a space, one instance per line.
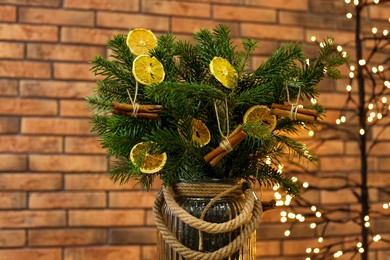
x=195 y=110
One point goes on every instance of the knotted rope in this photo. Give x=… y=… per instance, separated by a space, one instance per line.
x=134 y=101
x=294 y=106
x=225 y=143
x=249 y=217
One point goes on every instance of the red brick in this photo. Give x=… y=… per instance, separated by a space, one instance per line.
x=149 y=253
x=384 y=164
x=103 y=253
x=282 y=4
x=261 y=31
x=339 y=37
x=308 y=20
x=58 y=200
x=123 y=20
x=119 y=5
x=344 y=196
x=7 y=13
x=12 y=238
x=59 y=52
x=9 y=125
x=12 y=106
x=25 y=144
x=13 y=200
x=88 y=36
x=73 y=71
x=29 y=33
x=178 y=9
x=24 y=69
x=189 y=26
x=381 y=134
x=133 y=236
x=56 y=16
x=8 y=87
x=237 y=13
x=12 y=50
x=56 y=126
x=13 y=162
x=296 y=247
x=30 y=182
x=95 y=182
x=268 y=248
x=329 y=147
x=380 y=12
x=132 y=199
x=74 y=108
x=41 y=254
x=106 y=218
x=29 y=218
x=68 y=237
x=332 y=100
x=381 y=148
x=35 y=2
x=339 y=163
x=55 y=89
x=84 y=145
x=67 y=163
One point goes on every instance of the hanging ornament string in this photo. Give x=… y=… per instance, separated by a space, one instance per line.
x=294 y=106
x=225 y=143
x=134 y=101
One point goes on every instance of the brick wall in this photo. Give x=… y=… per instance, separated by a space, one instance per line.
x=55 y=199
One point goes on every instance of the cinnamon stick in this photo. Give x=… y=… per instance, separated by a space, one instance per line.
x=299 y=116
x=235 y=138
x=267 y=205
x=304 y=111
x=142 y=108
x=152 y=116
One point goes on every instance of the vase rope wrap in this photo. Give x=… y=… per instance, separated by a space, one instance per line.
x=249 y=218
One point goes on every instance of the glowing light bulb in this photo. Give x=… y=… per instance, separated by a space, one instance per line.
x=367 y=224
x=294 y=179
x=347 y=1
x=277 y=195
x=374 y=30
x=385 y=32
x=362 y=62
x=311 y=133
x=374 y=70
x=316 y=250
x=305 y=185
x=379 y=116
x=338 y=121
x=352 y=68
x=268 y=160
x=307 y=258
x=313 y=208
x=283 y=219
x=387 y=84
x=345 y=54
x=372 y=114
x=283 y=213
x=377 y=238
x=370 y=119
x=291 y=215
x=313 y=101
x=339 y=48
x=287 y=233
x=376 y=1
x=313 y=225
x=385 y=206
x=322 y=45
x=313 y=38
x=318 y=214
x=351 y=75
x=370 y=106
x=308 y=250
x=320 y=239
x=356 y=2
x=348 y=88
x=361 y=131
x=342 y=119
x=338 y=254
x=366 y=218
x=359 y=244
x=361 y=250
x=349 y=15
x=381 y=68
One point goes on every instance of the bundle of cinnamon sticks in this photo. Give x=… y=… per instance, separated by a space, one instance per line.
x=301 y=114
x=218 y=153
x=144 y=111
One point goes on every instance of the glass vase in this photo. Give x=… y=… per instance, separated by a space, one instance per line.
x=224 y=209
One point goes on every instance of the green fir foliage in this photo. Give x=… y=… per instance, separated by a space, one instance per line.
x=189 y=91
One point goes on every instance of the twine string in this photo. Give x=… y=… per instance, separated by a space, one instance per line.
x=134 y=101
x=294 y=106
x=225 y=143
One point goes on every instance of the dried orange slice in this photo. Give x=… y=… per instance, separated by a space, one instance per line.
x=260 y=114
x=148 y=70
x=224 y=72
x=151 y=163
x=141 y=41
x=200 y=133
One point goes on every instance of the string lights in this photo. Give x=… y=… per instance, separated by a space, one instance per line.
x=376 y=108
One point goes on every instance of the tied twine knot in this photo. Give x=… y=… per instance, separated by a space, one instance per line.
x=225 y=143
x=134 y=101
x=294 y=106
x=248 y=219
